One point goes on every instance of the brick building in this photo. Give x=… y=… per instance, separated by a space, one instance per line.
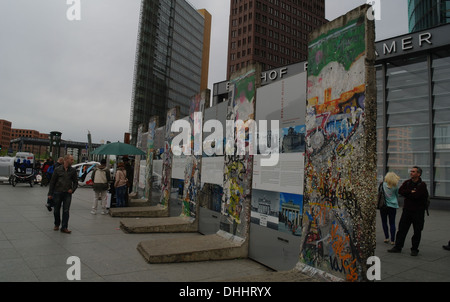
x=273 y=33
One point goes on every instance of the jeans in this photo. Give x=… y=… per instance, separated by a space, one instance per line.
x=120 y=196
x=417 y=219
x=64 y=199
x=388 y=213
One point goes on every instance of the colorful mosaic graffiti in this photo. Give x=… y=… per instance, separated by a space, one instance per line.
x=137 y=160
x=238 y=169
x=152 y=125
x=340 y=169
x=192 y=179
x=166 y=180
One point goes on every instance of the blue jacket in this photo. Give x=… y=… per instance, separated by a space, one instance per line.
x=391 y=195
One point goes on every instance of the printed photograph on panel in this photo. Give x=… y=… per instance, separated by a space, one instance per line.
x=265 y=208
x=293 y=139
x=290 y=213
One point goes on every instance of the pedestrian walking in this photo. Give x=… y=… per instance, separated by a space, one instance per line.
x=120 y=185
x=416 y=194
x=63 y=184
x=390 y=188
x=101 y=177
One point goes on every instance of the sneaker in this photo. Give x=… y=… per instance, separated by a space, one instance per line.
x=446 y=247
x=414 y=252
x=386 y=240
x=93 y=212
x=104 y=212
x=392 y=243
x=394 y=250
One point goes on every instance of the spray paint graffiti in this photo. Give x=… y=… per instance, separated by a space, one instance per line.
x=237 y=193
x=192 y=178
x=166 y=179
x=152 y=125
x=335 y=237
x=238 y=170
x=137 y=160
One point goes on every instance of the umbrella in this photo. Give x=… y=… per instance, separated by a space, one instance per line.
x=118 y=149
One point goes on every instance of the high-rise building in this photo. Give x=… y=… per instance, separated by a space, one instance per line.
x=424 y=14
x=273 y=33
x=5 y=134
x=172 y=57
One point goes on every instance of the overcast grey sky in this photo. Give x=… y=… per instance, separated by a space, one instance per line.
x=75 y=76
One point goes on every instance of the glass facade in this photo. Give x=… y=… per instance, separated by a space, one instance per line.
x=168 y=60
x=186 y=57
x=425 y=14
x=413 y=123
x=441 y=114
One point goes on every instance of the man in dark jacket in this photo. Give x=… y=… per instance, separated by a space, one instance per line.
x=415 y=192
x=63 y=184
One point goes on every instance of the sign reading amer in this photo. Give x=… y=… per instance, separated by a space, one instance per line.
x=414 y=42
x=407 y=43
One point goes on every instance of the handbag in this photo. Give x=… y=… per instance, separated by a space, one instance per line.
x=381 y=198
x=108 y=200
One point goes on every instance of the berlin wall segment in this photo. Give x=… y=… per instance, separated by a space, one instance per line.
x=166 y=183
x=192 y=172
x=340 y=160
x=238 y=169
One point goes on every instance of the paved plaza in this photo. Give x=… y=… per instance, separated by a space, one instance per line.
x=30 y=250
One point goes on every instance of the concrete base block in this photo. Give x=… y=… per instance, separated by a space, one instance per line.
x=150 y=211
x=138 y=202
x=132 y=195
x=159 y=225
x=218 y=246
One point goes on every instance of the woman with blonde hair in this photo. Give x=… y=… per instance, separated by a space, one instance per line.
x=390 y=187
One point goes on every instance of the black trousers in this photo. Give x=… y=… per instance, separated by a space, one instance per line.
x=417 y=219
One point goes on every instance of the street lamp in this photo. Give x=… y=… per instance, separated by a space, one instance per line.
x=55 y=142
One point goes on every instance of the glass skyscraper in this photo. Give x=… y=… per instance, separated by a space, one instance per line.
x=423 y=14
x=169 y=59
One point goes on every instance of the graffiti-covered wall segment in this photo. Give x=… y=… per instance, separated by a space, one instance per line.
x=340 y=156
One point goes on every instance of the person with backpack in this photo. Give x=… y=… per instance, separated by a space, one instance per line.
x=415 y=203
x=101 y=177
x=390 y=190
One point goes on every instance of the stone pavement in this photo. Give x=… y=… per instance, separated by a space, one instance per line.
x=31 y=251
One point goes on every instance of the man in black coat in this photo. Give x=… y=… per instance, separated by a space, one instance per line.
x=63 y=184
x=415 y=192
